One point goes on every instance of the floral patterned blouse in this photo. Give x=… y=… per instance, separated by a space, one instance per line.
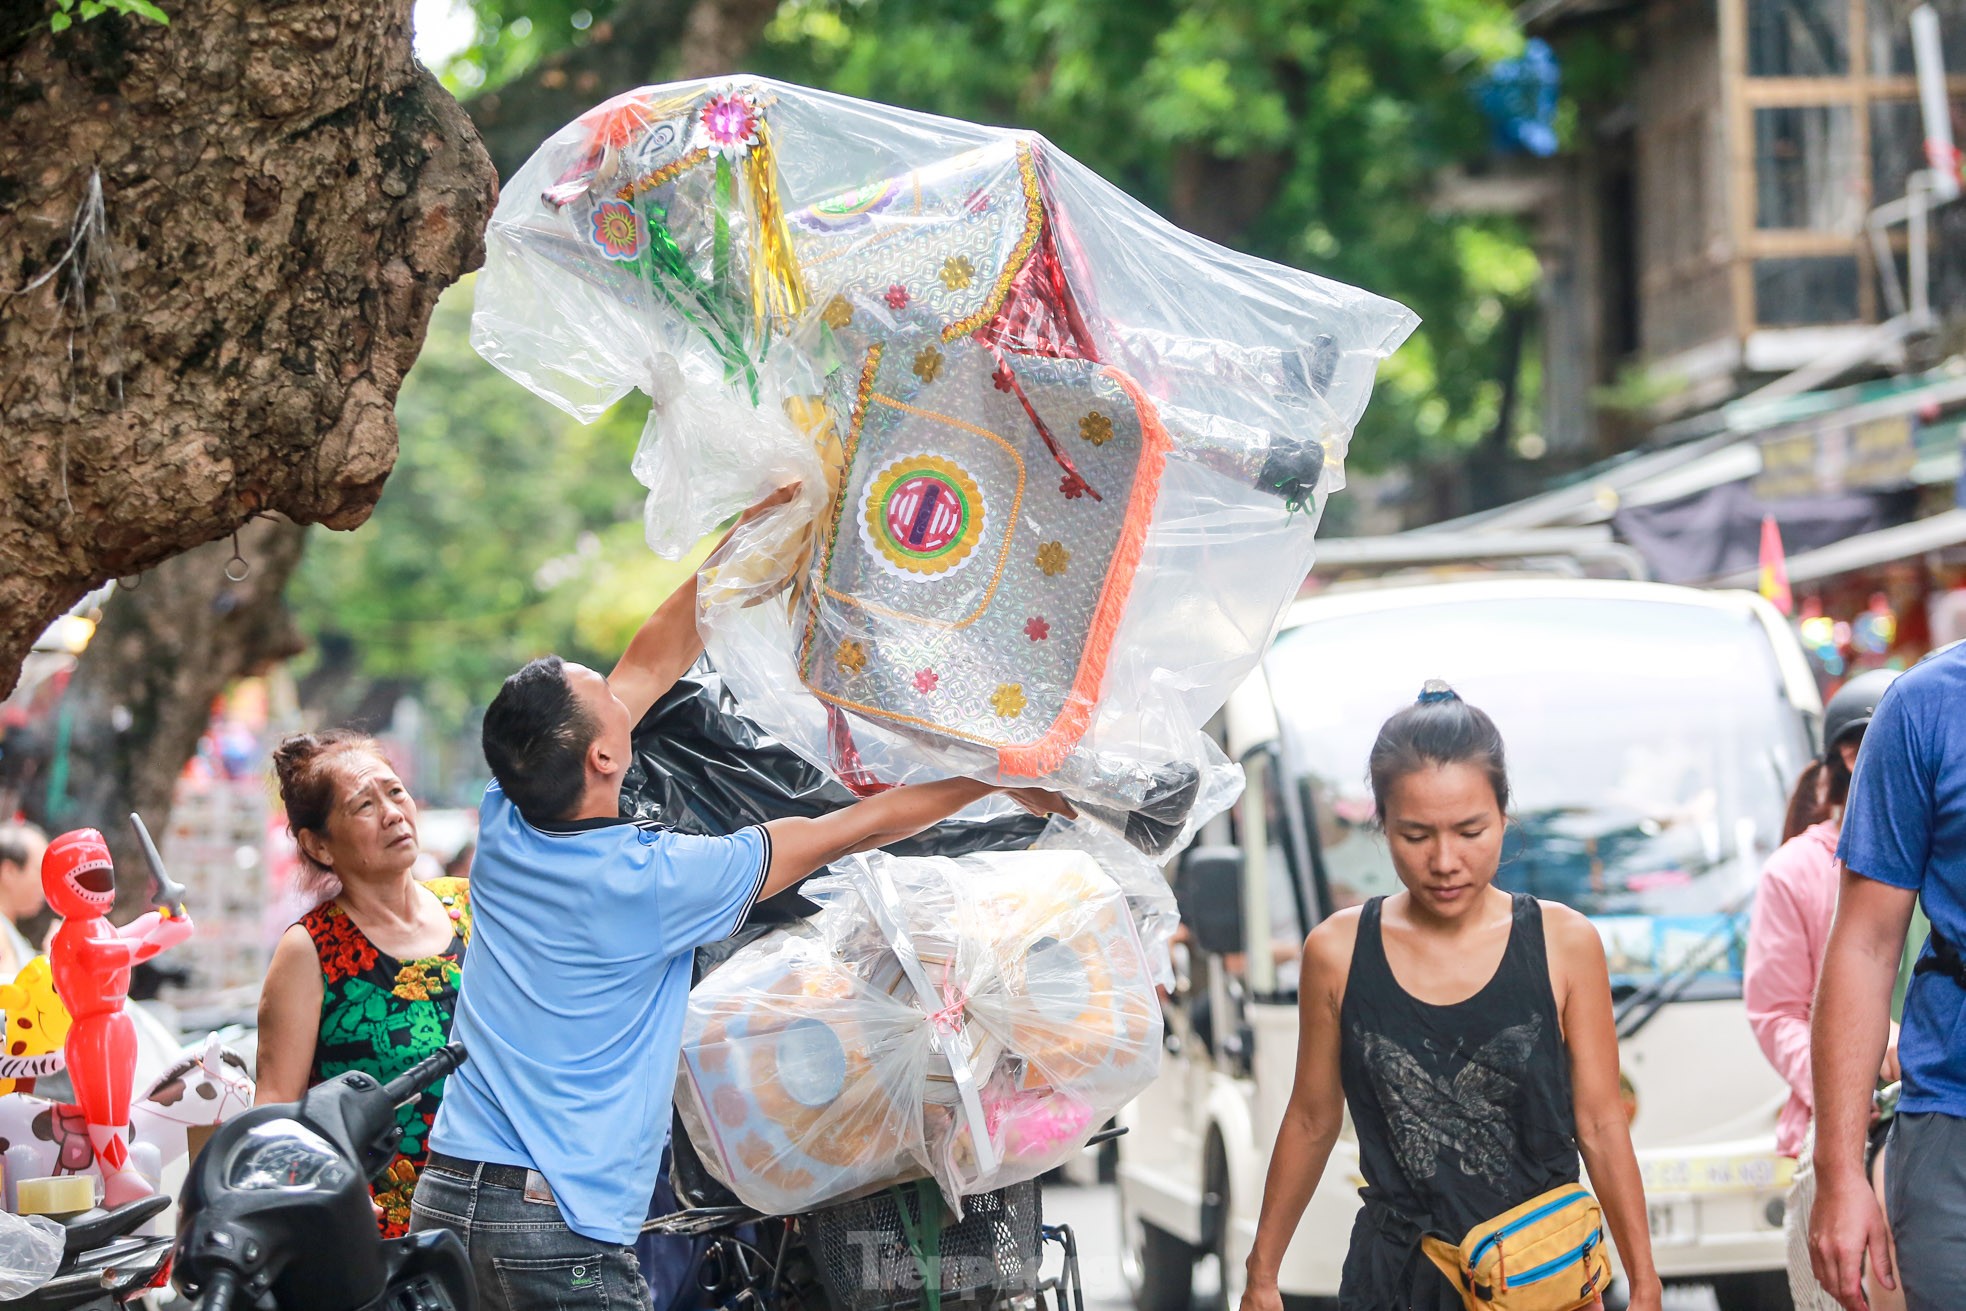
x=380 y=1015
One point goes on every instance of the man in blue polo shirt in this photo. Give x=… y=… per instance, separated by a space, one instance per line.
x=1904 y=840
x=545 y=1152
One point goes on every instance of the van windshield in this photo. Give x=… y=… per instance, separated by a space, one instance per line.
x=1650 y=751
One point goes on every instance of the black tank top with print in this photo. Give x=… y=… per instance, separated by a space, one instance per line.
x=1461 y=1111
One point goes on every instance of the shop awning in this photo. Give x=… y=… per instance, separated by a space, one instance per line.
x=1865 y=551
x=1675 y=472
x=1718 y=531
x=1592 y=545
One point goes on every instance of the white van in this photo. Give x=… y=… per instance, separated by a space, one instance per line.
x=1653 y=733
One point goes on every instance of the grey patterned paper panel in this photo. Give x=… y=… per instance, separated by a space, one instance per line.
x=941 y=243
x=972 y=584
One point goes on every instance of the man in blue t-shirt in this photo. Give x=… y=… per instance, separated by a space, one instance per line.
x=1904 y=840
x=545 y=1152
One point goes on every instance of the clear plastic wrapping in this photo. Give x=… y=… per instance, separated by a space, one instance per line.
x=1060 y=463
x=30 y=1253
x=928 y=997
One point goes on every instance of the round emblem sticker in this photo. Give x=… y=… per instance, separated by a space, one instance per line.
x=923 y=515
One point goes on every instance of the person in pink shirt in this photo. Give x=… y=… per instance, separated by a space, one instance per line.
x=1793 y=908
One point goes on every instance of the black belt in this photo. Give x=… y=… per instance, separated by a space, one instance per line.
x=499 y=1176
x=1945 y=959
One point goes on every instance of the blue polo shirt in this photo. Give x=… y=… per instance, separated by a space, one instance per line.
x=1905 y=825
x=572 y=1006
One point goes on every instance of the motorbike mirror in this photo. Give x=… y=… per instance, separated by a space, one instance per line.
x=1208 y=891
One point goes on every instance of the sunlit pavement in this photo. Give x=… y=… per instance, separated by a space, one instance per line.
x=1093 y=1214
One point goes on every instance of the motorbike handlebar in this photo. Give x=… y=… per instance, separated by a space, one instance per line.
x=425 y=1072
x=217 y=1293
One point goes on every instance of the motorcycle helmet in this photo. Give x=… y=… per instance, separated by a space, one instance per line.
x=1849 y=712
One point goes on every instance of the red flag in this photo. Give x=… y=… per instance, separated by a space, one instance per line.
x=1774 y=567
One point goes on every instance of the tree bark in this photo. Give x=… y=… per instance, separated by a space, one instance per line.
x=639 y=42
x=220 y=243
x=143 y=693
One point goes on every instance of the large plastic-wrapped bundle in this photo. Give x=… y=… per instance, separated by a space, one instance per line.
x=971 y=1019
x=1060 y=462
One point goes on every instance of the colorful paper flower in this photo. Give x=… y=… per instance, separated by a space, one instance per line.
x=838 y=312
x=1052 y=558
x=897 y=297
x=957 y=272
x=928 y=363
x=1072 y=486
x=730 y=125
x=1036 y=628
x=851 y=657
x=1008 y=700
x=618 y=230
x=1096 y=428
x=925 y=680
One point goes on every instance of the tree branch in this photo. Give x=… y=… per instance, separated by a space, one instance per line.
x=248 y=216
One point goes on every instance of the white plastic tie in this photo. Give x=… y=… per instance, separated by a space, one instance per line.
x=951 y=1040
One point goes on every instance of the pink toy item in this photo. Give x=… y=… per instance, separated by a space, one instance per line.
x=92 y=960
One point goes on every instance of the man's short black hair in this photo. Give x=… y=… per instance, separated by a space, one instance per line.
x=536 y=738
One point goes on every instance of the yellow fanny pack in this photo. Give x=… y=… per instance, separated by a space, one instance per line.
x=1545 y=1255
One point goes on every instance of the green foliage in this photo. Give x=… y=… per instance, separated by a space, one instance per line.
x=507 y=530
x=1349 y=107
x=67 y=11
x=512 y=37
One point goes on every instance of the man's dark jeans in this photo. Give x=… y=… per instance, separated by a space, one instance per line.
x=523 y=1256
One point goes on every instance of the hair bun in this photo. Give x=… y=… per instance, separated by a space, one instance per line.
x=1435 y=689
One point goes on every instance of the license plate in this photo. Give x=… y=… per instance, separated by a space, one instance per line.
x=1671 y=1223
x=1749 y=1172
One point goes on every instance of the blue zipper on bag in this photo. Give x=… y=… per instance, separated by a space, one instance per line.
x=1548 y=1268
x=1547 y=1208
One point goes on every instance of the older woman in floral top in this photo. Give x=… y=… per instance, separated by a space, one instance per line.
x=368 y=979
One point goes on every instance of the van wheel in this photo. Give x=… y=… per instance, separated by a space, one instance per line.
x=1159 y=1268
x=1230 y=1275
x=1763 y=1290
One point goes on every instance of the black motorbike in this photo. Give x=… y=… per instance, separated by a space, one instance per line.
x=104 y=1261
x=277 y=1215
x=895 y=1250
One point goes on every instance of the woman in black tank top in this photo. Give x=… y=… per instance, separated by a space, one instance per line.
x=1469 y=1032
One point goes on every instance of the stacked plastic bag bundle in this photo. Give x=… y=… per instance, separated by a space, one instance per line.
x=1060 y=462
x=973 y=1019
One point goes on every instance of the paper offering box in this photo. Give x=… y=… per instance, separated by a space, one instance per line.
x=929 y=999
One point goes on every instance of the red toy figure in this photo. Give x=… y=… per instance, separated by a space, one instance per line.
x=92 y=959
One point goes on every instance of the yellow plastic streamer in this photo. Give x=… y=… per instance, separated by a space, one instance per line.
x=778 y=293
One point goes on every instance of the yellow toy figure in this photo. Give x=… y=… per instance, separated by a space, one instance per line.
x=37 y=1027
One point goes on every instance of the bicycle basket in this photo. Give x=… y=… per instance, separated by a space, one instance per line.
x=865 y=1262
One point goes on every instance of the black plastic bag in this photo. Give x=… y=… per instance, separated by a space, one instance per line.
x=702 y=767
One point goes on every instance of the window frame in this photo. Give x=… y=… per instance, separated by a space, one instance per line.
x=1858 y=89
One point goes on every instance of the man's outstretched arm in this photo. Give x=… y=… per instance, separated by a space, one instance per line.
x=1851 y=1027
x=668 y=643
x=662 y=650
x=800 y=846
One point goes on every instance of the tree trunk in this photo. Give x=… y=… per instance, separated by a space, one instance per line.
x=220 y=243
x=142 y=695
